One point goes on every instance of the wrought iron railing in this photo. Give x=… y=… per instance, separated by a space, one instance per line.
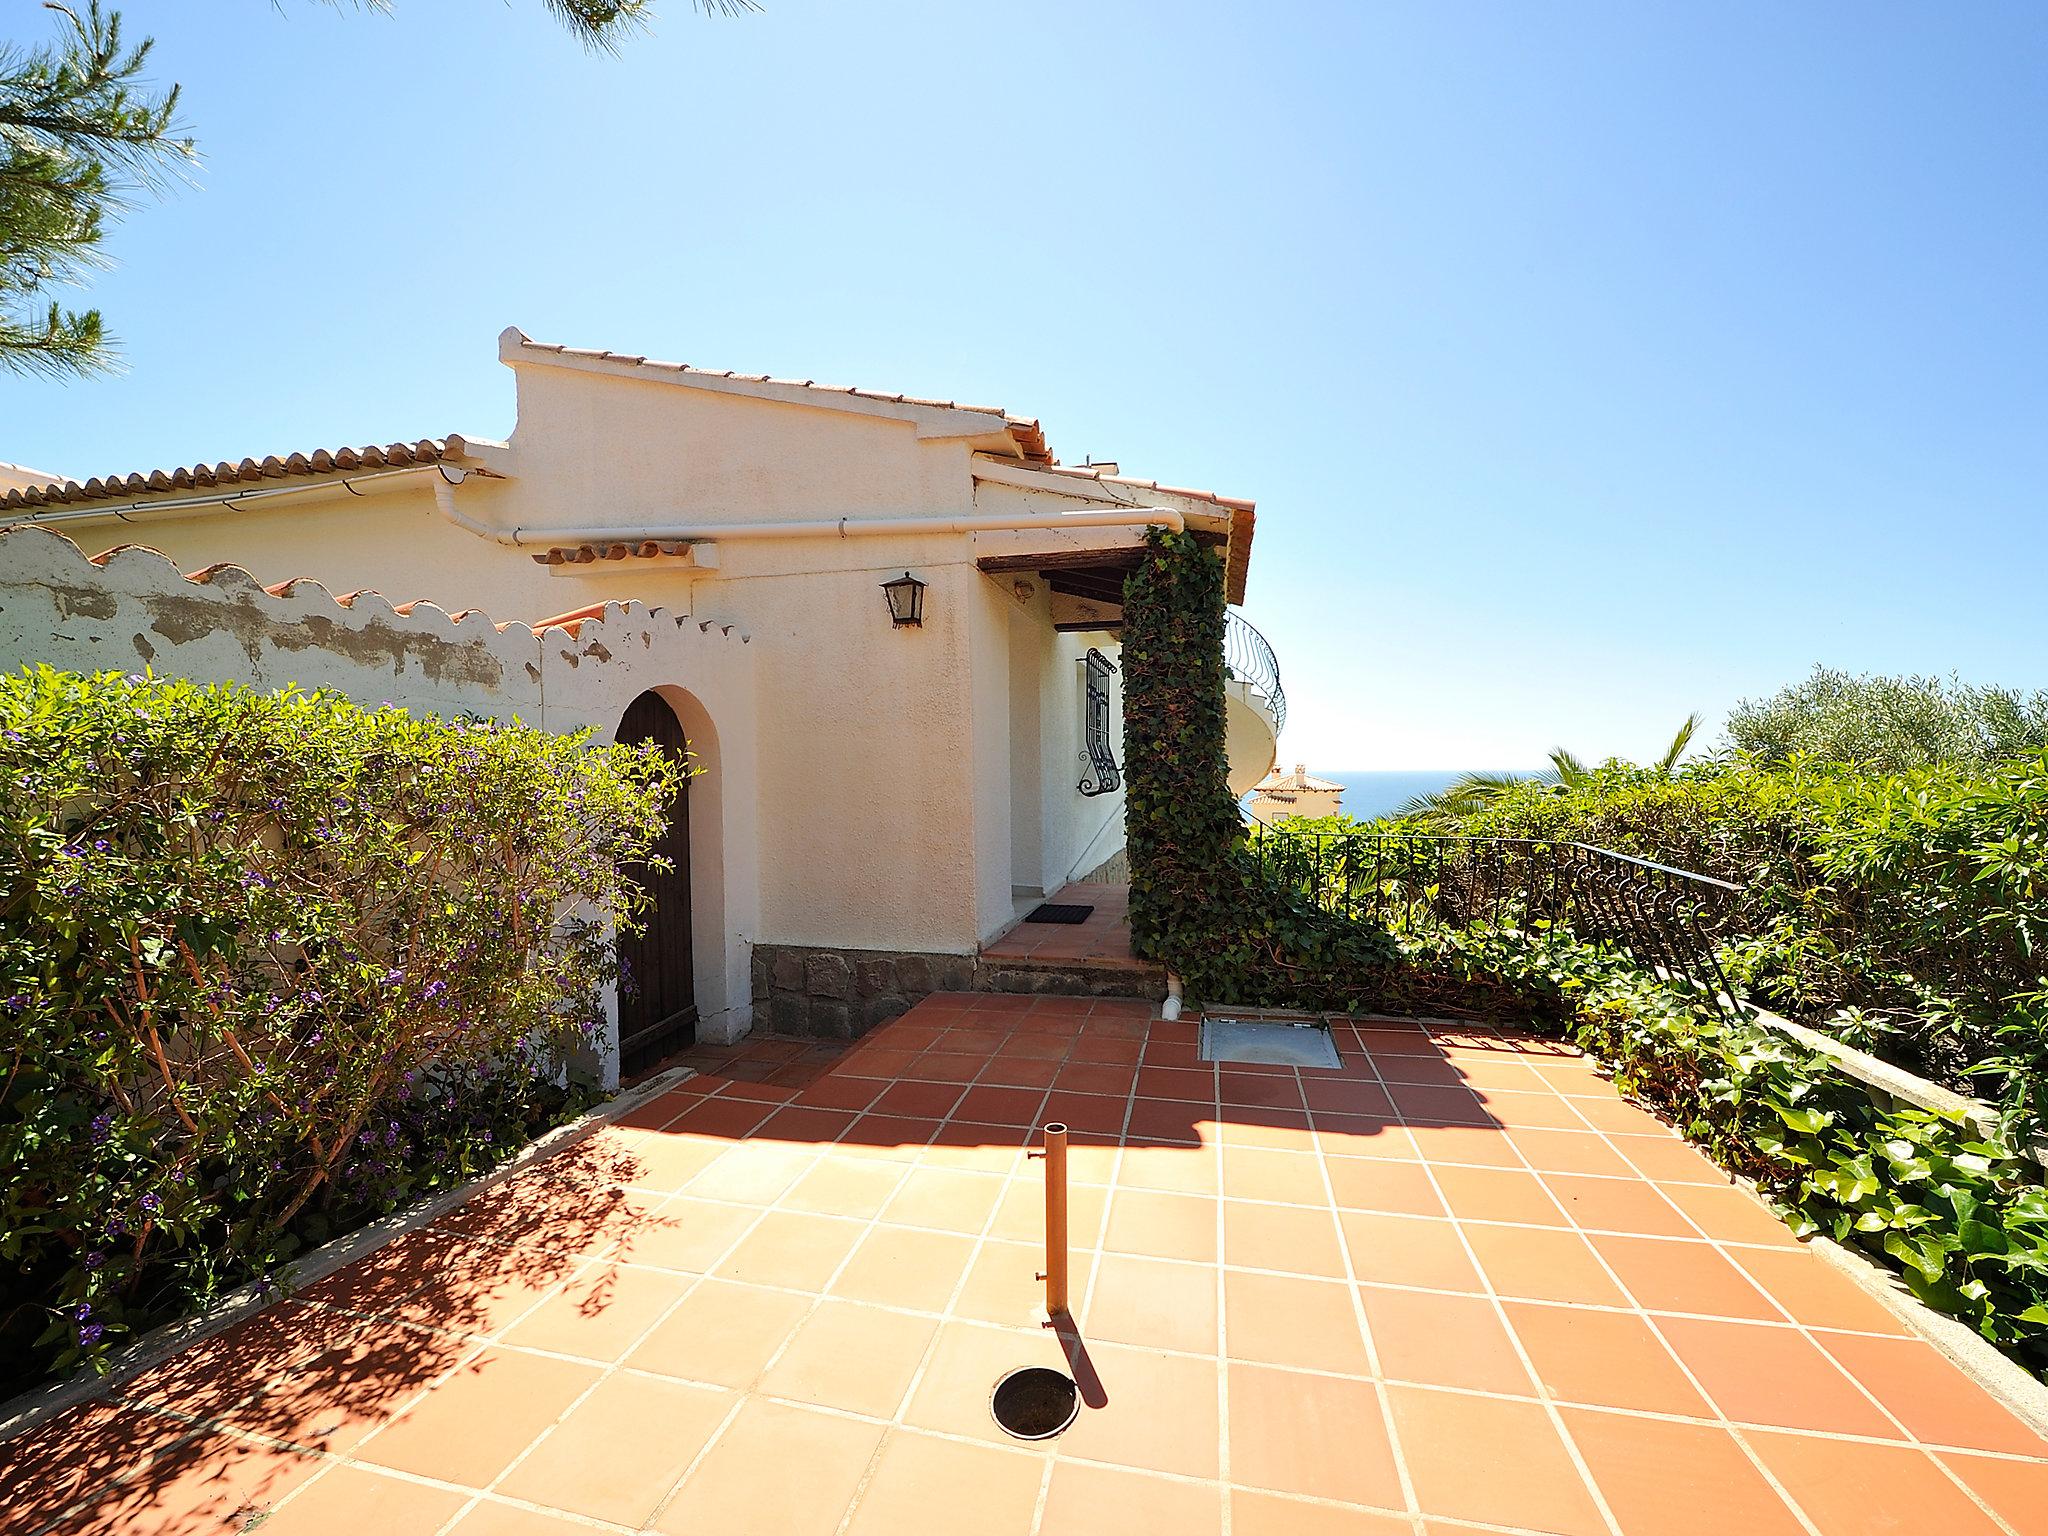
x=1667 y=919
x=1250 y=659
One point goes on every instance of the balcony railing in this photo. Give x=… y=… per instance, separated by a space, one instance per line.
x=1250 y=659
x=1666 y=919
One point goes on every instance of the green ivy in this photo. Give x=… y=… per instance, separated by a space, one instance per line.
x=1200 y=903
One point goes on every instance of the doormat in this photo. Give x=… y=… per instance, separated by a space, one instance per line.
x=1058 y=912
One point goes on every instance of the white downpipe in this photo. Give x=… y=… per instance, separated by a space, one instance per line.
x=1170 y=1009
x=843 y=527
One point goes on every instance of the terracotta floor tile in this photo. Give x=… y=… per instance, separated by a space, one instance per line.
x=1171 y=1170
x=2017 y=1491
x=888 y=1138
x=837 y=1187
x=1677 y=1479
x=1861 y=1489
x=1029 y=1071
x=1730 y=1215
x=1288 y=1320
x=1270 y=1130
x=792 y=1249
x=721 y=1333
x=479 y=1287
x=1367 y=1136
x=1481 y=1146
x=1020 y=1218
x=1096 y=1077
x=1163 y=1226
x=1763 y=1375
x=685 y=1233
x=1323 y=1436
x=1346 y=1096
x=1155 y=1302
x=944 y=1199
x=212 y=1376
x=1934 y=1400
x=1297 y=1239
x=1265 y=1514
x=723 y=1118
x=805 y=1126
x=1609 y=1112
x=1668 y=1276
x=1573 y=1151
x=1542 y=1263
x=1169 y=1122
x=350 y=1500
x=1443 y=1341
x=663 y=1163
x=778 y=1470
x=1497 y=1194
x=1001 y=1106
x=851 y=1356
x=1608 y=1359
x=905 y=1267
x=1160 y=1414
x=621 y=1449
x=1491 y=1460
x=490 y=1518
x=1084 y=1500
x=600 y=1314
x=1266 y=1090
x=78 y=1450
x=924 y=1484
x=1295 y=1178
x=1668 y=1159
x=1382 y=1184
x=469 y=1428
x=1815 y=1292
x=1004 y=1283
x=961 y=1147
x=1430 y=1105
x=1628 y=1206
x=197 y=1487
x=953 y=1394
x=331 y=1401
x=1408 y=1250
x=753 y=1173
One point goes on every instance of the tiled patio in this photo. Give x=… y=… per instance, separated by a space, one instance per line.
x=1457 y=1285
x=1102 y=937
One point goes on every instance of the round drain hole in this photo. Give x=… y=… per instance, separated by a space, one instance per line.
x=1035 y=1403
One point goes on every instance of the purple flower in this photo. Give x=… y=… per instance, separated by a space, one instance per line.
x=102 y=1125
x=89 y=1335
x=151 y=1204
x=83 y=1311
x=93 y=1259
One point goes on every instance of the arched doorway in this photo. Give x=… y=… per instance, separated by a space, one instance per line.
x=657 y=980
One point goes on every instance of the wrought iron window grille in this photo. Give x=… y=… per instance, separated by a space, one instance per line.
x=1103 y=775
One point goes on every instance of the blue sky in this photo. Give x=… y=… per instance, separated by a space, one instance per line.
x=1590 y=363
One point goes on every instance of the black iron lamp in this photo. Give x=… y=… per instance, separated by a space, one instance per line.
x=906 y=601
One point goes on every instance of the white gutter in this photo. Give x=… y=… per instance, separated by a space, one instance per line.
x=843 y=527
x=326 y=482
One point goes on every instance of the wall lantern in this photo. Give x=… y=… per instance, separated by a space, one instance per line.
x=906 y=600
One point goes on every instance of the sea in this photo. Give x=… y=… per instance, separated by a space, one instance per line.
x=1368 y=795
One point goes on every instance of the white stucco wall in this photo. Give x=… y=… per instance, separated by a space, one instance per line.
x=882 y=767
x=138 y=612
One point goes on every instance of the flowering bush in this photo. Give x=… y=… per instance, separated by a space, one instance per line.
x=270 y=964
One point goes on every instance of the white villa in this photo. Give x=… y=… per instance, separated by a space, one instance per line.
x=891 y=775
x=1299 y=793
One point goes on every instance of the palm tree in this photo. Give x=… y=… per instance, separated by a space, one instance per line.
x=1474 y=791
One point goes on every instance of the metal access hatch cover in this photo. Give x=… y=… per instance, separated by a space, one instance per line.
x=1269 y=1042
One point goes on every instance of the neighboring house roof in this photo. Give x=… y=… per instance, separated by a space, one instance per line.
x=1025 y=432
x=1283 y=785
x=321 y=461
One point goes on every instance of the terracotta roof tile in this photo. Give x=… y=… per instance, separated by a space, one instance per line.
x=200 y=477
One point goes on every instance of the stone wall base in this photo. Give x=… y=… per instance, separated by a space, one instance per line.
x=841 y=994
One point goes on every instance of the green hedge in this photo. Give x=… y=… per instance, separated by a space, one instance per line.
x=1909 y=911
x=268 y=966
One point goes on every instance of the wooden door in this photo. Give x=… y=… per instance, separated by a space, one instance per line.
x=657 y=981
